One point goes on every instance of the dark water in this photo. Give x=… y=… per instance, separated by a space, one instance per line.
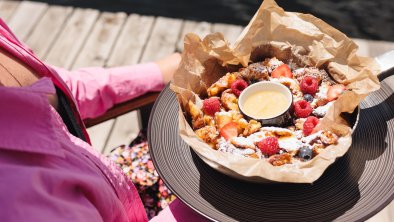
x=366 y=19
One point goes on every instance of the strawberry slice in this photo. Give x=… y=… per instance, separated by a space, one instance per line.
x=229 y=131
x=335 y=91
x=282 y=70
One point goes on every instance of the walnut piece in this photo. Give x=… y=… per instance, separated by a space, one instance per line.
x=280 y=159
x=222 y=84
x=209 y=135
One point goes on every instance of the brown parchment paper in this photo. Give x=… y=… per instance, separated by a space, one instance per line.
x=302 y=38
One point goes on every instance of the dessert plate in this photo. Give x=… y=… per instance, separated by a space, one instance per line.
x=355 y=187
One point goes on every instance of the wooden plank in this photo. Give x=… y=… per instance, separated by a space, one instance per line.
x=363 y=47
x=71 y=39
x=26 y=17
x=123 y=108
x=126 y=126
x=48 y=29
x=101 y=40
x=128 y=50
x=230 y=32
x=132 y=40
x=124 y=130
x=200 y=28
x=7 y=8
x=379 y=47
x=69 y=42
x=162 y=42
x=163 y=39
x=95 y=53
x=373 y=48
x=99 y=134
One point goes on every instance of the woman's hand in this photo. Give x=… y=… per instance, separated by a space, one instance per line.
x=168 y=65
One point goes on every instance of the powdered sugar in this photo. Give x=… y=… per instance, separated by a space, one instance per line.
x=257 y=137
x=273 y=63
x=321 y=110
x=312 y=138
x=277 y=130
x=225 y=146
x=322 y=94
x=242 y=142
x=289 y=143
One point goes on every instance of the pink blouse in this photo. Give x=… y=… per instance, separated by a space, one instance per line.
x=47 y=174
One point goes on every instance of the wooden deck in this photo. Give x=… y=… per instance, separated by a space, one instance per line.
x=74 y=37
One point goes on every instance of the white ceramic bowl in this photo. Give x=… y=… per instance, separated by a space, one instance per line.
x=281 y=118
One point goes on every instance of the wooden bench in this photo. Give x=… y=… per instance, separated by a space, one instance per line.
x=143 y=101
x=73 y=37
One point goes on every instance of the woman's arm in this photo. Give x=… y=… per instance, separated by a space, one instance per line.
x=178 y=211
x=97 y=89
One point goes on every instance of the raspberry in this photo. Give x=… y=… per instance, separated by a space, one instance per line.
x=309 y=85
x=309 y=125
x=211 y=106
x=269 y=145
x=238 y=86
x=302 y=109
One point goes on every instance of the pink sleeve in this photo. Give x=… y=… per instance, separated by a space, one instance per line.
x=97 y=89
x=178 y=211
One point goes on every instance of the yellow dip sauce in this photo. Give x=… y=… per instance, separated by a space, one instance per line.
x=265 y=104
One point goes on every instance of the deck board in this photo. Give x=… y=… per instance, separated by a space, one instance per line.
x=99 y=45
x=25 y=17
x=48 y=29
x=95 y=52
x=373 y=48
x=7 y=9
x=73 y=37
x=161 y=42
x=163 y=39
x=379 y=47
x=230 y=32
x=128 y=50
x=132 y=40
x=70 y=41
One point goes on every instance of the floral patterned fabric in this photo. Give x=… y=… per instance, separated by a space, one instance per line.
x=138 y=166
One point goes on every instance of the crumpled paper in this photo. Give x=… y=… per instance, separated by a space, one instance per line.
x=301 y=38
